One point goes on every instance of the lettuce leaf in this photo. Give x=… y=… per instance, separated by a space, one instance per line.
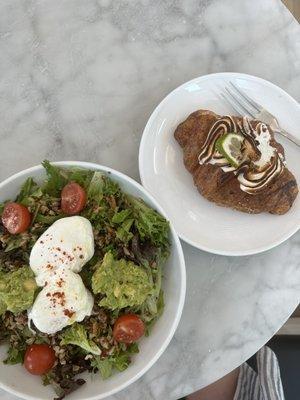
x=96 y=186
x=123 y=232
x=57 y=178
x=149 y=223
x=14 y=242
x=77 y=336
x=150 y=307
x=81 y=176
x=47 y=219
x=153 y=306
x=104 y=366
x=31 y=200
x=101 y=186
x=14 y=356
x=119 y=361
x=123 y=221
x=121 y=216
x=111 y=188
x=27 y=189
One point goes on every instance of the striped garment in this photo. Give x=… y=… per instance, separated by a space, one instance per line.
x=260 y=381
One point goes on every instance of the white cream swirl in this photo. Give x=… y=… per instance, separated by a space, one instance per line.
x=253 y=175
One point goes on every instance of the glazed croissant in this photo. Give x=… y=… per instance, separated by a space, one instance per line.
x=273 y=188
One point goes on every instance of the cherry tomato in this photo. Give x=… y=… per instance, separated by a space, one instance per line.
x=73 y=198
x=39 y=359
x=128 y=328
x=16 y=218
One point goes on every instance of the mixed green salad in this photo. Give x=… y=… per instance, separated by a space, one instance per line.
x=123 y=276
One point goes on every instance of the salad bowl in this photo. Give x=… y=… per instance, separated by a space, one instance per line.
x=16 y=380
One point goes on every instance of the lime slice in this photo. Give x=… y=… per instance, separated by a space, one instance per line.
x=230 y=146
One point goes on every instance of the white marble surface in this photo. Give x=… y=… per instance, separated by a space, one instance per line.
x=78 y=80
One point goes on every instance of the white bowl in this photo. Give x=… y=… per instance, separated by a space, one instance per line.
x=16 y=380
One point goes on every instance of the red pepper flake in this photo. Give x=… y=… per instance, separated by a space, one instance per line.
x=69 y=313
x=60 y=282
x=48 y=294
x=59 y=297
x=49 y=266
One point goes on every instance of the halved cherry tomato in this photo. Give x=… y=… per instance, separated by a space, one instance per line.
x=73 y=198
x=16 y=218
x=39 y=359
x=128 y=328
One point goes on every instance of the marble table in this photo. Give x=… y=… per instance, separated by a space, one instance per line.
x=79 y=79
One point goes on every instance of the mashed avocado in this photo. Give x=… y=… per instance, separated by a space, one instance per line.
x=123 y=283
x=17 y=290
x=2 y=307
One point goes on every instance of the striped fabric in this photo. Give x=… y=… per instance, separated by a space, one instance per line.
x=263 y=384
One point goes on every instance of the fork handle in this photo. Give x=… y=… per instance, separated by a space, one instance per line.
x=287 y=135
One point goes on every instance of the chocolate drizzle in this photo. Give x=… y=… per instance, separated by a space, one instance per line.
x=260 y=166
x=219 y=128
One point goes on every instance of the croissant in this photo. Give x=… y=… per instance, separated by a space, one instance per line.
x=273 y=188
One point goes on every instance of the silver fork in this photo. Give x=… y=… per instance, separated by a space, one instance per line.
x=245 y=105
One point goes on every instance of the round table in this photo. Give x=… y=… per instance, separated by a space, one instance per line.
x=79 y=80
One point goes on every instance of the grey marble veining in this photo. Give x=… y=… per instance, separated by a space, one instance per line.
x=79 y=79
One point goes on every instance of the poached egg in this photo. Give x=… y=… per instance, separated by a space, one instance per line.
x=68 y=243
x=56 y=258
x=63 y=300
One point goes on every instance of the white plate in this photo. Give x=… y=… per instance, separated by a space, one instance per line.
x=16 y=380
x=197 y=221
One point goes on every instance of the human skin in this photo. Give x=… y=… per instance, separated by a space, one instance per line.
x=223 y=389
